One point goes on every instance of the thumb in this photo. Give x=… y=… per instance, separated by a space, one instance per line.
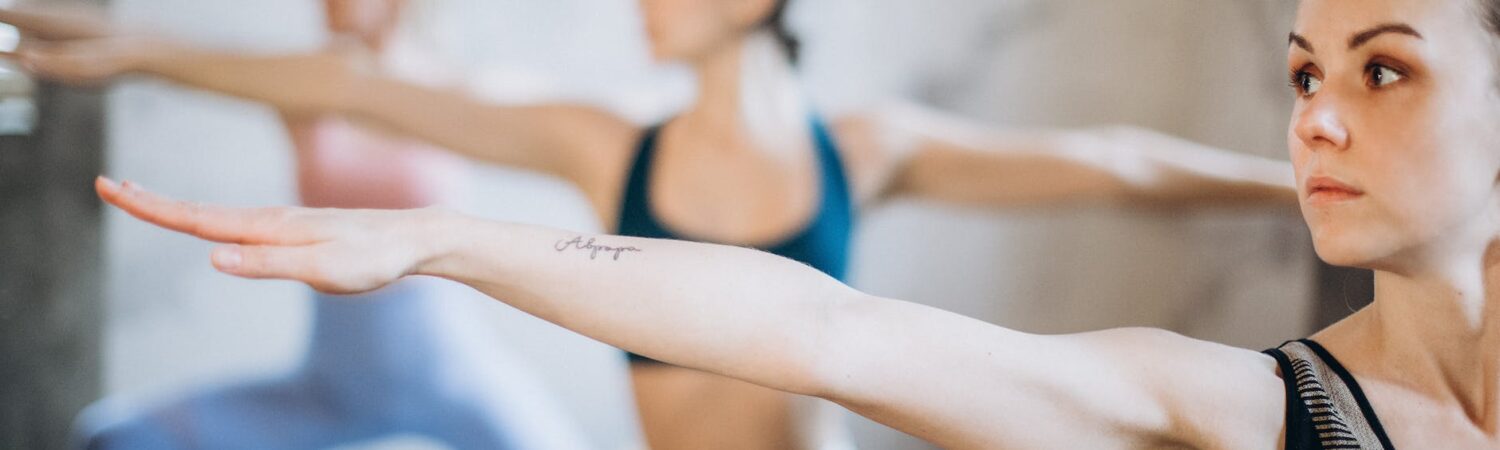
x=44 y=60
x=267 y=262
x=307 y=264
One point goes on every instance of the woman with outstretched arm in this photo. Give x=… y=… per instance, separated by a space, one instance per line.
x=956 y=381
x=749 y=163
x=1394 y=140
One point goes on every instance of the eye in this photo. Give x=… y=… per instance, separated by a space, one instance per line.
x=1381 y=76
x=1305 y=83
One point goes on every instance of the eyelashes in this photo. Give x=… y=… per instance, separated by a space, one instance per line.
x=1376 y=75
x=1304 y=82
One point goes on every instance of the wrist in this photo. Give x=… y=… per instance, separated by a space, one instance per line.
x=150 y=55
x=438 y=234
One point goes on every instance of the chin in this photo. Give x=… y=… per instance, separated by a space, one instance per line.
x=1355 y=247
x=1344 y=257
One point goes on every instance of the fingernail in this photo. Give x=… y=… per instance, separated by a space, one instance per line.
x=108 y=183
x=227 y=258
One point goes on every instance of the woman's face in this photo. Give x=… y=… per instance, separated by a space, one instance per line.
x=1396 y=131
x=363 y=18
x=686 y=30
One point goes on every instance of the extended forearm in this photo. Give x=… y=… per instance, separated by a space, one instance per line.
x=300 y=83
x=1156 y=169
x=947 y=159
x=527 y=137
x=727 y=310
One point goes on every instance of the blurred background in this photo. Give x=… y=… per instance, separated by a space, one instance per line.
x=95 y=304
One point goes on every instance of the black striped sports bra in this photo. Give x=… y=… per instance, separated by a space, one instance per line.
x=1325 y=408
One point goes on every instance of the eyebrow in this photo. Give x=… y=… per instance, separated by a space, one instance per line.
x=1300 y=41
x=1360 y=38
x=1367 y=35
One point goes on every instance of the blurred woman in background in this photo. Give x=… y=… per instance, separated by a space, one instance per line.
x=749 y=163
x=397 y=360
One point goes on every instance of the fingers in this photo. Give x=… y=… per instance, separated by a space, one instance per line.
x=26 y=21
x=86 y=63
x=42 y=60
x=274 y=243
x=279 y=226
x=37 y=59
x=58 y=23
x=265 y=262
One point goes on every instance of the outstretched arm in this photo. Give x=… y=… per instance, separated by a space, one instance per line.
x=574 y=141
x=930 y=155
x=952 y=380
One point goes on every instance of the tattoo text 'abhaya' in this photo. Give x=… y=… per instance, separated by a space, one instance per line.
x=594 y=249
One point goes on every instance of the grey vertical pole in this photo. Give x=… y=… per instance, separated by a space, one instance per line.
x=51 y=313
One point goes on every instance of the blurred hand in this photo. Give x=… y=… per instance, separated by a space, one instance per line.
x=333 y=251
x=74 y=45
x=60 y=23
x=85 y=62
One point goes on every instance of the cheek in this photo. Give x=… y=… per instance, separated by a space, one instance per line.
x=1298 y=153
x=1433 y=183
x=1458 y=162
x=334 y=12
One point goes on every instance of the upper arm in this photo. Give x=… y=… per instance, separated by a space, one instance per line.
x=871 y=154
x=563 y=139
x=575 y=141
x=581 y=143
x=962 y=383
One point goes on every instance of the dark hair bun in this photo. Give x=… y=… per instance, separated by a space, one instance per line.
x=776 y=22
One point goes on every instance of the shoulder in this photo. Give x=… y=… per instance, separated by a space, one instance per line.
x=1216 y=396
x=887 y=130
x=600 y=148
x=591 y=128
x=873 y=146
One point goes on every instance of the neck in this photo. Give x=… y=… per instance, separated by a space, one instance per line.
x=376 y=42
x=747 y=94
x=1440 y=331
x=372 y=41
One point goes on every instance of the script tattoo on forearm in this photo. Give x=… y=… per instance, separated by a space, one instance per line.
x=594 y=249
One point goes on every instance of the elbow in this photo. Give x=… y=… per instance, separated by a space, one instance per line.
x=836 y=350
x=354 y=90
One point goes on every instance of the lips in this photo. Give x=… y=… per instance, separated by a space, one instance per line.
x=1323 y=189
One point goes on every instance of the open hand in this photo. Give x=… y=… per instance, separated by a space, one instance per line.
x=334 y=251
x=60 y=23
x=75 y=45
x=86 y=62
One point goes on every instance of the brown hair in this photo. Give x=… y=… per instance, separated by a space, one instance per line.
x=776 y=22
x=1489 y=11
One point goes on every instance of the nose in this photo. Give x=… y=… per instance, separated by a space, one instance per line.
x=1320 y=127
